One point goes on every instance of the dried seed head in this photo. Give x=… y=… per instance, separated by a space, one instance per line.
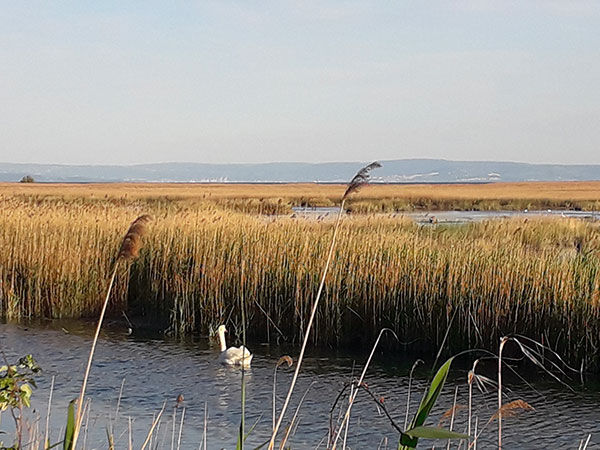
x=285 y=359
x=360 y=179
x=132 y=242
x=512 y=409
x=451 y=412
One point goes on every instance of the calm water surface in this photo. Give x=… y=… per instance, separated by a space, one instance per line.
x=454 y=217
x=157 y=369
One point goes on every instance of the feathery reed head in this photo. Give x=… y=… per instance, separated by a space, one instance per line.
x=450 y=413
x=132 y=242
x=512 y=409
x=360 y=179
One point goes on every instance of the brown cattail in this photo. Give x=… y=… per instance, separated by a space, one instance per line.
x=360 y=179
x=132 y=242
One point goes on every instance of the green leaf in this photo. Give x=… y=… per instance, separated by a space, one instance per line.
x=437 y=384
x=26 y=394
x=240 y=441
x=252 y=428
x=435 y=433
x=70 y=429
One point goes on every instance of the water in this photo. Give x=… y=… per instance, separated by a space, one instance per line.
x=453 y=217
x=477 y=216
x=322 y=212
x=156 y=369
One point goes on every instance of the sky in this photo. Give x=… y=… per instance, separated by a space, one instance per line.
x=115 y=82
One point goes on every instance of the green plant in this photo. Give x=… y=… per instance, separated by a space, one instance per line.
x=16 y=386
x=70 y=428
x=16 y=383
x=410 y=438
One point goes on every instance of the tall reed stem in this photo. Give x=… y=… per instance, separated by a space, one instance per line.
x=79 y=416
x=503 y=341
x=361 y=178
x=47 y=434
x=129 y=250
x=354 y=392
x=308 y=328
x=243 y=387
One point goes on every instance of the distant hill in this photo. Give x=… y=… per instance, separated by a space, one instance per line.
x=401 y=170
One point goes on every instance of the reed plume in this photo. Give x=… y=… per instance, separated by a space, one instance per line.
x=132 y=242
x=450 y=412
x=512 y=409
x=129 y=250
x=360 y=179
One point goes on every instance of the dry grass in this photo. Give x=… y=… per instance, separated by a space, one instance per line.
x=538 y=277
x=278 y=198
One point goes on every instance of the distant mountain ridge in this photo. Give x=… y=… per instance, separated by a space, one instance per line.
x=400 y=170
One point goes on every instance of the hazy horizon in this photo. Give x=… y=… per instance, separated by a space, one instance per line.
x=350 y=161
x=299 y=81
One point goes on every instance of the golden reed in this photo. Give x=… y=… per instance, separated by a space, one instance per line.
x=539 y=277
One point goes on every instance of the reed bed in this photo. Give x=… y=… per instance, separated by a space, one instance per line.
x=540 y=278
x=280 y=198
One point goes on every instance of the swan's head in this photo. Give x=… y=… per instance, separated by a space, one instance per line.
x=221 y=329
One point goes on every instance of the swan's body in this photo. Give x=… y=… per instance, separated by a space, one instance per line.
x=233 y=356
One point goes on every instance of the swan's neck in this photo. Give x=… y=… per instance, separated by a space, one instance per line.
x=222 y=340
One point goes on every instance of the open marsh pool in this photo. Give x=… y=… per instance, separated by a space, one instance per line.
x=157 y=369
x=454 y=217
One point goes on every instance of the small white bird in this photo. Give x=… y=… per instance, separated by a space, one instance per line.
x=233 y=356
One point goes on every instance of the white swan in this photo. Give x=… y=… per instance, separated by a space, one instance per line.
x=233 y=356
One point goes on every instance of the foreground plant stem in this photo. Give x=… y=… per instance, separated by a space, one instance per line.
x=308 y=328
x=360 y=179
x=130 y=247
x=503 y=341
x=79 y=415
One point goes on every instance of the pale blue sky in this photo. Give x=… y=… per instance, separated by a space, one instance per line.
x=224 y=81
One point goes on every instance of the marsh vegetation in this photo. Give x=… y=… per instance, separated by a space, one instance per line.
x=280 y=198
x=539 y=277
x=455 y=288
